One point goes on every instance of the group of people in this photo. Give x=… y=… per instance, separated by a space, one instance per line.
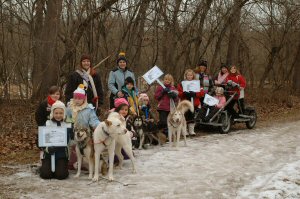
x=84 y=95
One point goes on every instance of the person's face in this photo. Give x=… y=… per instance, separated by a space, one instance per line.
x=78 y=101
x=224 y=70
x=58 y=114
x=145 y=101
x=233 y=69
x=55 y=96
x=122 y=64
x=189 y=76
x=129 y=86
x=167 y=81
x=202 y=69
x=86 y=64
x=124 y=111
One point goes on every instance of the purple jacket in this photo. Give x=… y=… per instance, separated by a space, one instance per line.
x=162 y=98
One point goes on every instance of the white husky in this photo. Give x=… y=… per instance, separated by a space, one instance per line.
x=177 y=122
x=104 y=136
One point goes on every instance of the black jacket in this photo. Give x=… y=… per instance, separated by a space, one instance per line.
x=75 y=79
x=42 y=113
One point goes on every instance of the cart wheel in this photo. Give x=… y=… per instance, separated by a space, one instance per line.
x=250 y=124
x=226 y=123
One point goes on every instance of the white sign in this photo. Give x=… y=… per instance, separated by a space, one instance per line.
x=52 y=136
x=193 y=85
x=152 y=75
x=210 y=101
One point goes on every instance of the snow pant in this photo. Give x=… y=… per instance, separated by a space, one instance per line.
x=163 y=123
x=189 y=117
x=61 y=169
x=232 y=111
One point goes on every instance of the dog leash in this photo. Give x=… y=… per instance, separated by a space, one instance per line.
x=124 y=184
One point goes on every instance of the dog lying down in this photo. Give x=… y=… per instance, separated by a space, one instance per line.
x=113 y=135
x=177 y=123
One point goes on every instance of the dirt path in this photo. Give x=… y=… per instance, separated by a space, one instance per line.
x=259 y=163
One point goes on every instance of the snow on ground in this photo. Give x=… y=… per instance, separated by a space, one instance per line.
x=260 y=163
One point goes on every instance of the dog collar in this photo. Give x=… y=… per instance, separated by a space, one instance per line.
x=173 y=125
x=105 y=132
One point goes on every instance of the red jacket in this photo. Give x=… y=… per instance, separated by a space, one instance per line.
x=239 y=79
x=162 y=98
x=182 y=96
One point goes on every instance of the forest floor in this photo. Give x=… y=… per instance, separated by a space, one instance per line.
x=18 y=152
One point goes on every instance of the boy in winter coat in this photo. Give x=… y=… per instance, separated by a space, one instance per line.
x=163 y=96
x=190 y=75
x=130 y=95
x=57 y=117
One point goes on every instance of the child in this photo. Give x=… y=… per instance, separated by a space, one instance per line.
x=163 y=96
x=43 y=111
x=237 y=84
x=190 y=75
x=145 y=111
x=81 y=114
x=130 y=95
x=222 y=75
x=57 y=117
x=206 y=116
x=205 y=79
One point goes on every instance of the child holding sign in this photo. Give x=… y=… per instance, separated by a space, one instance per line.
x=57 y=116
x=163 y=96
x=189 y=76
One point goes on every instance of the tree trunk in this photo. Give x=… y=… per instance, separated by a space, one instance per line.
x=296 y=76
x=46 y=68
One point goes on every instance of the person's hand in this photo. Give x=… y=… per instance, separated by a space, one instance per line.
x=166 y=90
x=229 y=82
x=186 y=94
x=192 y=94
x=235 y=84
x=51 y=150
x=95 y=99
x=120 y=94
x=172 y=94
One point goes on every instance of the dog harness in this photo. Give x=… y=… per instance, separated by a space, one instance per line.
x=103 y=141
x=82 y=145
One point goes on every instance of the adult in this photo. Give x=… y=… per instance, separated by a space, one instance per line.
x=116 y=79
x=206 y=81
x=87 y=76
x=222 y=75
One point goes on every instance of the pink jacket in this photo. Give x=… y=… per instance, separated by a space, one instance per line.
x=162 y=98
x=222 y=101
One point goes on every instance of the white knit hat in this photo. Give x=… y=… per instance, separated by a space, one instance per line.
x=58 y=104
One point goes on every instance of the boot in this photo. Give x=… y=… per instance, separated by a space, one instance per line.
x=191 y=128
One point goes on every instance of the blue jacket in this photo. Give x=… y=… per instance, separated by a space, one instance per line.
x=86 y=117
x=117 y=78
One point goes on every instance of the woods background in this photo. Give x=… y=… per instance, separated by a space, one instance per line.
x=41 y=41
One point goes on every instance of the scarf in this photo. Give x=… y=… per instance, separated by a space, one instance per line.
x=50 y=100
x=76 y=109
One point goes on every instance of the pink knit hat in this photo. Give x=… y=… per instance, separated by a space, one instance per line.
x=120 y=101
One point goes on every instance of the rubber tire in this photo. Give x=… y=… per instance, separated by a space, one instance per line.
x=251 y=124
x=224 y=129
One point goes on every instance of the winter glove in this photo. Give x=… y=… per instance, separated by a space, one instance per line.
x=166 y=90
x=95 y=99
x=235 y=84
x=187 y=94
x=229 y=82
x=172 y=95
x=192 y=94
x=51 y=150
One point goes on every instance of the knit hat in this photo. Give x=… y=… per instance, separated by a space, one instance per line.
x=143 y=96
x=219 y=90
x=129 y=80
x=120 y=101
x=79 y=93
x=83 y=57
x=57 y=104
x=202 y=63
x=121 y=56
